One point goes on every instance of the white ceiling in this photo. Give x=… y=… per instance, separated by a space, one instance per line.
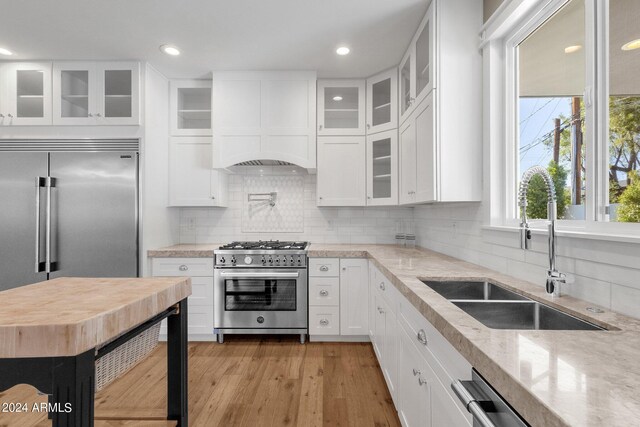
x=216 y=34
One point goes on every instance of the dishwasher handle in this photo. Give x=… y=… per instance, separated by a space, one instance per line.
x=471 y=403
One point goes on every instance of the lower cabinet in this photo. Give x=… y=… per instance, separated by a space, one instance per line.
x=200 y=302
x=415 y=380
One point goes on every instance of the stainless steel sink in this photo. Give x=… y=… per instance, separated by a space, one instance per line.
x=500 y=308
x=472 y=290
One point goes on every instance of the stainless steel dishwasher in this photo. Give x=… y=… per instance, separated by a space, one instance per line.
x=488 y=408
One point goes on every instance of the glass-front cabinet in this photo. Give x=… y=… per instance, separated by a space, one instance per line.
x=341 y=107
x=25 y=93
x=382 y=168
x=190 y=107
x=96 y=93
x=382 y=101
x=407 y=88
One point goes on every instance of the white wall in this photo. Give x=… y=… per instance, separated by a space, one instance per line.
x=159 y=223
x=321 y=225
x=606 y=273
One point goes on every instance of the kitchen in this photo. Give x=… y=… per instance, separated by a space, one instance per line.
x=419 y=212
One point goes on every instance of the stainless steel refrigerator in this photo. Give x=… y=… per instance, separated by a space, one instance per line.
x=68 y=208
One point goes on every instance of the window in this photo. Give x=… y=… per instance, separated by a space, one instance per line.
x=573 y=103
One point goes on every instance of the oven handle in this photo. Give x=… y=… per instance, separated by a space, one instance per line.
x=265 y=275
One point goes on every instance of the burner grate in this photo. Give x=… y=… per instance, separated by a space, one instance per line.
x=266 y=245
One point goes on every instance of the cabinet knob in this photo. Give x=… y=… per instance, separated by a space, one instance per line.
x=10 y=116
x=320 y=127
x=320 y=197
x=422 y=337
x=324 y=268
x=324 y=322
x=421 y=381
x=1 y=116
x=90 y=115
x=416 y=372
x=213 y=197
x=369 y=197
x=368 y=126
x=183 y=268
x=344 y=268
x=324 y=293
x=382 y=287
x=98 y=115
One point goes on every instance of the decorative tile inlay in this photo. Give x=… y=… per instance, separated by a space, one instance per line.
x=287 y=215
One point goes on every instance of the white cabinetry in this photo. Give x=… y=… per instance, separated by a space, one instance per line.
x=192 y=181
x=264 y=115
x=382 y=168
x=440 y=107
x=25 y=93
x=341 y=171
x=190 y=107
x=96 y=93
x=200 y=302
x=418 y=155
x=354 y=292
x=338 y=295
x=382 y=102
x=341 y=107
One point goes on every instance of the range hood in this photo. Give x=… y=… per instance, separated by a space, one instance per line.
x=264 y=163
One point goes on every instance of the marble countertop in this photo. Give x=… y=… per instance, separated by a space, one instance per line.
x=68 y=316
x=552 y=378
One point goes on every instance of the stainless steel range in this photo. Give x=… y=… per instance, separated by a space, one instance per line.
x=261 y=288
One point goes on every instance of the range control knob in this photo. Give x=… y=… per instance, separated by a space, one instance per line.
x=248 y=260
x=222 y=260
x=233 y=259
x=270 y=261
x=260 y=319
x=264 y=261
x=278 y=261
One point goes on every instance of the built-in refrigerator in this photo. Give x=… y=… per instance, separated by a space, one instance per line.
x=68 y=208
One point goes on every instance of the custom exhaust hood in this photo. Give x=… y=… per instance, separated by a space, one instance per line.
x=264 y=118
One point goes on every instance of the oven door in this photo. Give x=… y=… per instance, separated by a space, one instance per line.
x=261 y=299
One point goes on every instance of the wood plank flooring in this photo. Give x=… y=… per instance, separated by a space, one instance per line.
x=248 y=381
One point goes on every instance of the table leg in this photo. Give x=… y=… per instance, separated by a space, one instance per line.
x=73 y=391
x=177 y=370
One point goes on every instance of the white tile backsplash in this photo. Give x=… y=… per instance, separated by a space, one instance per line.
x=298 y=219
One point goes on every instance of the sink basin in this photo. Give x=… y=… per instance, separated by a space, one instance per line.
x=500 y=308
x=472 y=290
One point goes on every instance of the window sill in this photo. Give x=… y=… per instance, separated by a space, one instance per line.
x=587 y=235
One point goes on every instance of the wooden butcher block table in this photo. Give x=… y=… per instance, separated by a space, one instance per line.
x=52 y=333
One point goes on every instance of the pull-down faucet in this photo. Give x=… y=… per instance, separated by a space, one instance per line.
x=554 y=277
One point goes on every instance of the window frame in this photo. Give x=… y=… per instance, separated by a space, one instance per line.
x=512 y=23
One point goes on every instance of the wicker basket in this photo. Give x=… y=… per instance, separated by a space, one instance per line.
x=116 y=363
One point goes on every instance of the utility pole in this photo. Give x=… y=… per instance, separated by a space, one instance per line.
x=556 y=141
x=576 y=151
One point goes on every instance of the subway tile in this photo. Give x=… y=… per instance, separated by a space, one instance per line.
x=625 y=300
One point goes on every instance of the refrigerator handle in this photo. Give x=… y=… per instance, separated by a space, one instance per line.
x=40 y=182
x=49 y=265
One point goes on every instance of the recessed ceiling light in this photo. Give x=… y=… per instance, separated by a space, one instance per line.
x=632 y=45
x=571 y=49
x=343 y=50
x=337 y=98
x=4 y=51
x=170 y=50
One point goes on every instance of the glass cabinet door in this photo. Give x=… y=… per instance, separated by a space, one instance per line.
x=382 y=101
x=341 y=107
x=118 y=94
x=406 y=85
x=27 y=95
x=382 y=169
x=424 y=58
x=190 y=107
x=74 y=94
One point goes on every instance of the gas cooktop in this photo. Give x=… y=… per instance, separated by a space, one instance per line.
x=271 y=245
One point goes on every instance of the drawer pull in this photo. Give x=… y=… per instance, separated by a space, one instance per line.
x=422 y=337
x=324 y=268
x=416 y=372
x=382 y=287
x=183 y=268
x=324 y=322
x=324 y=293
x=421 y=381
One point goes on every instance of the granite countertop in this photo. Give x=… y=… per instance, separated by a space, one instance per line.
x=185 y=251
x=552 y=378
x=70 y=315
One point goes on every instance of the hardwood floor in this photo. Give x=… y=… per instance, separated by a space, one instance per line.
x=270 y=381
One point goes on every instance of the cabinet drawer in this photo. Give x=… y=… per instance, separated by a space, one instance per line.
x=327 y=267
x=324 y=320
x=443 y=358
x=182 y=267
x=324 y=291
x=387 y=290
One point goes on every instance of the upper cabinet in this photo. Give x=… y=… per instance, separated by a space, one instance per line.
x=440 y=134
x=96 y=93
x=382 y=168
x=382 y=102
x=341 y=107
x=190 y=107
x=25 y=93
x=416 y=68
x=264 y=115
x=341 y=171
